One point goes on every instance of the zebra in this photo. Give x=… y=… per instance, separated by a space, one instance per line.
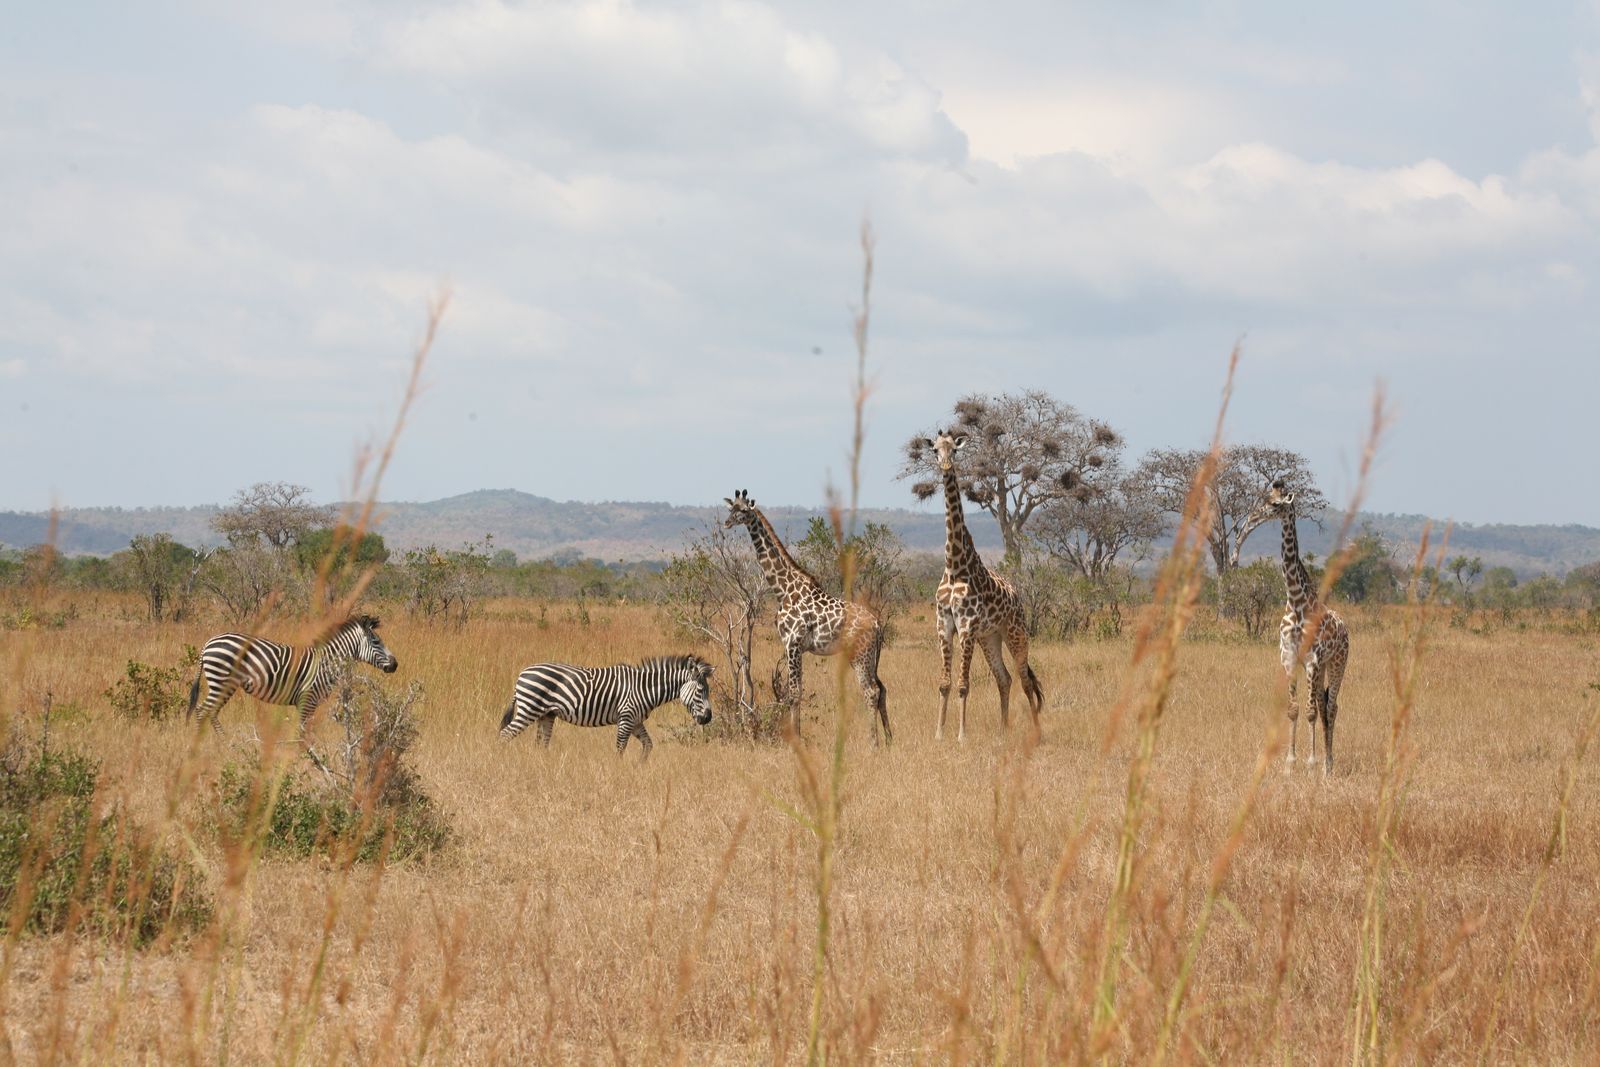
x=622 y=696
x=284 y=674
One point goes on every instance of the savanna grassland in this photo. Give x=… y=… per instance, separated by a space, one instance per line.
x=595 y=910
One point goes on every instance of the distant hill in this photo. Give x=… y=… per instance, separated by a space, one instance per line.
x=536 y=527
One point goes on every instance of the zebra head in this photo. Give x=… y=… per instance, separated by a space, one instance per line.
x=370 y=647
x=696 y=690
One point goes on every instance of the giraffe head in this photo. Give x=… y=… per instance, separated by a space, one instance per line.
x=741 y=510
x=1279 y=500
x=945 y=445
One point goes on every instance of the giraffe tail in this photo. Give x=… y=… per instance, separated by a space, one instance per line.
x=1031 y=686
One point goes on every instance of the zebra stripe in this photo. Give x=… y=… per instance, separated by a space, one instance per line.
x=622 y=696
x=276 y=673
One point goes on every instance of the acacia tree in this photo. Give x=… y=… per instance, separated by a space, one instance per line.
x=715 y=589
x=1090 y=530
x=1243 y=475
x=163 y=570
x=1023 y=451
x=276 y=513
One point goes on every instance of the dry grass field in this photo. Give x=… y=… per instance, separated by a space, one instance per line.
x=597 y=911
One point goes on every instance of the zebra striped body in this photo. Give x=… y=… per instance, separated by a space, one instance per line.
x=276 y=673
x=622 y=696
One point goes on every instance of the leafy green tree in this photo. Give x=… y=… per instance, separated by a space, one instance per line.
x=162 y=570
x=444 y=583
x=878 y=552
x=1254 y=594
x=1370 y=574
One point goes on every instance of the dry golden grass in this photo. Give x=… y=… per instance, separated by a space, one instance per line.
x=596 y=910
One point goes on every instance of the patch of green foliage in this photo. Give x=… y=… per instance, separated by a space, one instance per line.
x=366 y=803
x=64 y=863
x=153 y=693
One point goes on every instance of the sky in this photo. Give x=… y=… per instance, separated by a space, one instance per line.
x=221 y=225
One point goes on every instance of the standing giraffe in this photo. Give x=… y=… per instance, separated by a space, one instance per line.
x=812 y=620
x=1324 y=655
x=975 y=605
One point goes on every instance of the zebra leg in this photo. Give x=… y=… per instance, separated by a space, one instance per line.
x=546 y=724
x=644 y=739
x=212 y=707
x=625 y=729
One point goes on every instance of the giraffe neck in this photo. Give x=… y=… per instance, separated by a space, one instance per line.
x=782 y=572
x=960 y=555
x=1295 y=578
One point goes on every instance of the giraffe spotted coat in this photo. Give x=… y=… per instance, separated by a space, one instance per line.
x=810 y=619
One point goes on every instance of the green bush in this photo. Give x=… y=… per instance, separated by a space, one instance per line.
x=366 y=802
x=73 y=865
x=154 y=693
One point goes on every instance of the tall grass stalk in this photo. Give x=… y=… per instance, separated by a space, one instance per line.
x=1555 y=847
x=1144 y=698
x=1368 y=1011
x=824 y=793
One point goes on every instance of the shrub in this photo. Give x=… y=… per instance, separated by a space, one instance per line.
x=364 y=803
x=154 y=693
x=62 y=863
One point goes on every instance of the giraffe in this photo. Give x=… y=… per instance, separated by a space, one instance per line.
x=973 y=605
x=1325 y=655
x=812 y=620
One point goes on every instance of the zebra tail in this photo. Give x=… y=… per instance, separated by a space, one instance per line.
x=505 y=720
x=194 y=696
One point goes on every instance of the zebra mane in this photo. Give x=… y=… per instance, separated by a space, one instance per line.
x=364 y=621
x=679 y=661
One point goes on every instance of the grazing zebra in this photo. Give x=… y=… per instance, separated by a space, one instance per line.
x=284 y=674
x=622 y=696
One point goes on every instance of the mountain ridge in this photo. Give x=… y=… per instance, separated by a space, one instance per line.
x=534 y=526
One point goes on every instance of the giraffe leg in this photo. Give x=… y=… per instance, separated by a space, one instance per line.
x=1294 y=726
x=872 y=690
x=1330 y=711
x=992 y=644
x=966 y=678
x=1313 y=711
x=1017 y=641
x=795 y=693
x=946 y=650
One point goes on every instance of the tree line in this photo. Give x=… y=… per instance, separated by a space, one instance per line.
x=1080 y=520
